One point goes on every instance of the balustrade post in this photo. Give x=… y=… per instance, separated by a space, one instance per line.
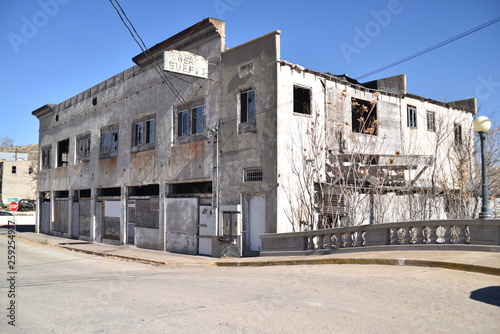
x=329 y=244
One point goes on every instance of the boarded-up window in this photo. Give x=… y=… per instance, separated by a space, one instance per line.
x=83 y=148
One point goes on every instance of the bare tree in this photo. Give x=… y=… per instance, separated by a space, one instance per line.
x=6 y=141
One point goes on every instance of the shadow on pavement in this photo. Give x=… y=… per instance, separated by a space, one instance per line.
x=489 y=295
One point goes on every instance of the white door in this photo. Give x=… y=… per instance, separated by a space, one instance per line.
x=255 y=220
x=206 y=229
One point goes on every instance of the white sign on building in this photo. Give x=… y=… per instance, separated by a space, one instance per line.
x=185 y=63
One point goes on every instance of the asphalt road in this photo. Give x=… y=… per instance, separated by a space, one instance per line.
x=58 y=291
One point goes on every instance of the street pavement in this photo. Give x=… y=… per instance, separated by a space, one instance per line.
x=485 y=262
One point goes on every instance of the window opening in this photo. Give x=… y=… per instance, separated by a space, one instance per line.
x=109 y=191
x=457 y=129
x=62 y=153
x=197 y=120
x=191 y=188
x=301 y=100
x=364 y=116
x=190 y=121
x=431 y=126
x=145 y=190
x=412 y=116
x=247 y=106
x=182 y=123
x=46 y=153
x=144 y=132
x=109 y=141
x=83 y=148
x=14 y=170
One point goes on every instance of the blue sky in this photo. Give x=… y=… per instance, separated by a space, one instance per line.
x=53 y=49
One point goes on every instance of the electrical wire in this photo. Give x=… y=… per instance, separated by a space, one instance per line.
x=468 y=32
x=137 y=38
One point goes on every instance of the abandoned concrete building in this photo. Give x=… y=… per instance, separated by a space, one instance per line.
x=205 y=165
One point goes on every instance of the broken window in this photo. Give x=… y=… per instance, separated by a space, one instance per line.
x=144 y=133
x=247 y=106
x=364 y=116
x=109 y=141
x=182 y=123
x=62 y=153
x=301 y=100
x=412 y=116
x=46 y=153
x=83 y=148
x=197 y=122
x=190 y=121
x=431 y=121
x=457 y=129
x=252 y=174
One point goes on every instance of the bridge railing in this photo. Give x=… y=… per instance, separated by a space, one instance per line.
x=405 y=235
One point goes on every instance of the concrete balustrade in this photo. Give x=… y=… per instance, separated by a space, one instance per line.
x=469 y=234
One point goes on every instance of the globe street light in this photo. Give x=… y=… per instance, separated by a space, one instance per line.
x=482 y=124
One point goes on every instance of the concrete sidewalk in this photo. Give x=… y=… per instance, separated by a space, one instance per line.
x=473 y=261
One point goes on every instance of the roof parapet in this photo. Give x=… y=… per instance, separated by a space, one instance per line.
x=44 y=111
x=179 y=41
x=395 y=84
x=469 y=105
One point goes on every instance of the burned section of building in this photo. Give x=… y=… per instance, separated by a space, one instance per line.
x=205 y=159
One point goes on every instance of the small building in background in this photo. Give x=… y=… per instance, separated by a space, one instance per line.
x=17 y=179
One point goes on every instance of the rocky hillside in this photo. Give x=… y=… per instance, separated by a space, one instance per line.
x=32 y=150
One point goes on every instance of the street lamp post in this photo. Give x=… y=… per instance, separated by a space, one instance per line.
x=482 y=124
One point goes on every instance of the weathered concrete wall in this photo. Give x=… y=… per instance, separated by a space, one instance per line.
x=182 y=220
x=147 y=238
x=84 y=219
x=250 y=66
x=119 y=101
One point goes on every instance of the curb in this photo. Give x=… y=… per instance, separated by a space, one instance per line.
x=394 y=262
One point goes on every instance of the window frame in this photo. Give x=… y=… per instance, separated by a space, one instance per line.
x=46 y=157
x=110 y=133
x=189 y=121
x=143 y=133
x=371 y=121
x=247 y=114
x=253 y=174
x=298 y=107
x=411 y=115
x=63 y=153
x=431 y=121
x=85 y=157
x=247 y=111
x=457 y=134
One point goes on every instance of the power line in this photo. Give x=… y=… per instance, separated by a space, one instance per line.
x=468 y=32
x=137 y=38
